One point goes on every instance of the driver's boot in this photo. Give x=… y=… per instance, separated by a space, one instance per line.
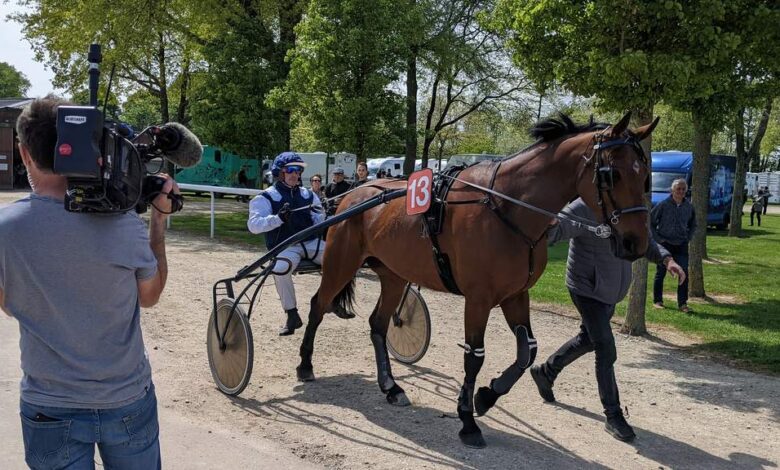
x=293 y=322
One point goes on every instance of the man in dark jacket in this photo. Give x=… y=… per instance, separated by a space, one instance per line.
x=597 y=280
x=673 y=222
x=765 y=198
x=336 y=188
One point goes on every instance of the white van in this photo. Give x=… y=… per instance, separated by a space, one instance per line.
x=433 y=164
x=393 y=167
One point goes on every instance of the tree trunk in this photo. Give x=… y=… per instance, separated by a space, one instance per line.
x=411 y=112
x=290 y=13
x=634 y=323
x=735 y=225
x=162 y=78
x=702 y=145
x=184 y=102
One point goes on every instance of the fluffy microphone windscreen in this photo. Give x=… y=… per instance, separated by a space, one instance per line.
x=189 y=151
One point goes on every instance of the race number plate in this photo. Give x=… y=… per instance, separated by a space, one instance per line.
x=418 y=191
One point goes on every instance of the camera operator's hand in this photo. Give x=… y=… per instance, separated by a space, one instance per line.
x=162 y=205
x=284 y=212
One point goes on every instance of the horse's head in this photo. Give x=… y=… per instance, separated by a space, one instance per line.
x=613 y=183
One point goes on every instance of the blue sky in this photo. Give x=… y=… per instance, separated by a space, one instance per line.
x=16 y=51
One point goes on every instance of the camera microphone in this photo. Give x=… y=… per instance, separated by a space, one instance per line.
x=179 y=144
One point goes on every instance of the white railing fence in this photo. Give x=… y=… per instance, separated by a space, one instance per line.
x=213 y=190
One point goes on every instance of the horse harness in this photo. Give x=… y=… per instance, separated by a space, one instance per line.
x=434 y=221
x=603 y=178
x=604 y=175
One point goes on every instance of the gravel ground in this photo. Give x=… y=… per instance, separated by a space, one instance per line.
x=688 y=411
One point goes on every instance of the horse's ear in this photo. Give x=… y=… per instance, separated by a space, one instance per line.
x=620 y=127
x=644 y=132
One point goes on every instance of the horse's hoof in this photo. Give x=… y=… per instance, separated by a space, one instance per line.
x=473 y=440
x=305 y=375
x=484 y=400
x=399 y=399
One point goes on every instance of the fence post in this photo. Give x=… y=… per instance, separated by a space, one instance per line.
x=212 y=213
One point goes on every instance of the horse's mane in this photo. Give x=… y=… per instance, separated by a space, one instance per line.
x=551 y=129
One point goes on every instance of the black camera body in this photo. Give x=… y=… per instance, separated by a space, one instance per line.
x=105 y=169
x=105 y=163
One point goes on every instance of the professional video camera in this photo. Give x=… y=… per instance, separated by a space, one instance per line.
x=106 y=163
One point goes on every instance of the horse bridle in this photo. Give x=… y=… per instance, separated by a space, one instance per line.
x=604 y=175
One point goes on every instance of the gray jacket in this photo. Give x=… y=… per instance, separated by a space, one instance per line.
x=672 y=223
x=592 y=270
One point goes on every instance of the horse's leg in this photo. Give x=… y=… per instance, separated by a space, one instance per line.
x=476 y=318
x=516 y=312
x=391 y=293
x=341 y=261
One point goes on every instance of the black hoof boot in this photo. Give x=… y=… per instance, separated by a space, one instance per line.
x=397 y=397
x=305 y=374
x=472 y=440
x=470 y=435
x=484 y=400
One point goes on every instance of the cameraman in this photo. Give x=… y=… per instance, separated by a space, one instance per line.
x=75 y=283
x=280 y=212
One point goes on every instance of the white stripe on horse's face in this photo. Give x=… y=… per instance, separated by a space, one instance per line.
x=636 y=167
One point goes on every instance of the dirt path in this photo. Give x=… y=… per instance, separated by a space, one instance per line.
x=688 y=411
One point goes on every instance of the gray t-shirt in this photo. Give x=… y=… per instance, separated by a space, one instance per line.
x=71 y=282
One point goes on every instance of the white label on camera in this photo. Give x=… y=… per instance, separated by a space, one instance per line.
x=75 y=119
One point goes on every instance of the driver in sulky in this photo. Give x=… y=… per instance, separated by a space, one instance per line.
x=280 y=212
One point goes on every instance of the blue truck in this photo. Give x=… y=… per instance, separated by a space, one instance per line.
x=671 y=165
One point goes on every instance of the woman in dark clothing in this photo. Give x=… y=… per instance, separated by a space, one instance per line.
x=362 y=175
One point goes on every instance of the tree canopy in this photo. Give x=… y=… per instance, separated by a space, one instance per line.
x=13 y=83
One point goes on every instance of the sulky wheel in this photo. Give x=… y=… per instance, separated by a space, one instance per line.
x=409 y=332
x=231 y=367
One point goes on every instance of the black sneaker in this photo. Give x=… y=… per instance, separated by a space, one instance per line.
x=543 y=384
x=619 y=428
x=293 y=323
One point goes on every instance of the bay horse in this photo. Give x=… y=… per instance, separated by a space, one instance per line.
x=497 y=250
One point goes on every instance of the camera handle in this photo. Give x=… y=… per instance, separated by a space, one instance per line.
x=95 y=58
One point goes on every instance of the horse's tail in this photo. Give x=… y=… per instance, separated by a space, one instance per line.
x=345 y=300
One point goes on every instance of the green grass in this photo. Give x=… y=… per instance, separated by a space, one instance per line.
x=747 y=329
x=741 y=318
x=230 y=228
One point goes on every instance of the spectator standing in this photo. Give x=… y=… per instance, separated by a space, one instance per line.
x=756 y=209
x=673 y=223
x=336 y=188
x=362 y=175
x=765 y=198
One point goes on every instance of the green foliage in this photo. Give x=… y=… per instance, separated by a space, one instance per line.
x=347 y=55
x=243 y=68
x=13 y=83
x=141 y=109
x=674 y=131
x=145 y=43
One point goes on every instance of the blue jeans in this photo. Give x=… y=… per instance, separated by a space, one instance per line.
x=680 y=255
x=127 y=437
x=595 y=336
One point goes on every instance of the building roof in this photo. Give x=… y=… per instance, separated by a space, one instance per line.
x=18 y=103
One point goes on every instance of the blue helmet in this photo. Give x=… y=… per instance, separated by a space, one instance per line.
x=284 y=159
